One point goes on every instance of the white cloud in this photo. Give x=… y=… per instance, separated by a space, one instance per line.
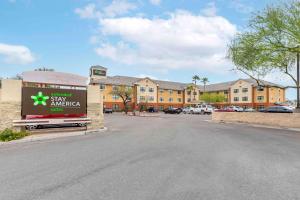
x=118 y=7
x=155 y=2
x=16 y=54
x=88 y=12
x=181 y=41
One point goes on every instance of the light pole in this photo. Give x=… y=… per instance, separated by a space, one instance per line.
x=298 y=81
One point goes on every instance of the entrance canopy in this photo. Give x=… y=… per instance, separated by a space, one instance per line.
x=56 y=78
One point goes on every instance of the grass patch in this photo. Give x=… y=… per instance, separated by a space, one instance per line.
x=8 y=135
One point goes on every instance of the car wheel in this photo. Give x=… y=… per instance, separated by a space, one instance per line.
x=32 y=127
x=81 y=124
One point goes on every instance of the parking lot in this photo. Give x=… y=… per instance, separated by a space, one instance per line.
x=167 y=157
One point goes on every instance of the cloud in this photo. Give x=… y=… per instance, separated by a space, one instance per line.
x=16 y=54
x=181 y=41
x=155 y=2
x=88 y=12
x=116 y=8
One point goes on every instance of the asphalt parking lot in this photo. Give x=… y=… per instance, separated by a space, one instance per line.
x=171 y=157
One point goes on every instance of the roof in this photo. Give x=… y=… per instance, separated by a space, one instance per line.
x=130 y=81
x=57 y=78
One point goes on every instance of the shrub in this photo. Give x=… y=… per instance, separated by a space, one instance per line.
x=8 y=135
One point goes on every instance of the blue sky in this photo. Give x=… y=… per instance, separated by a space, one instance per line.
x=163 y=39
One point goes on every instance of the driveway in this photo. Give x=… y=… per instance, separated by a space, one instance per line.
x=172 y=157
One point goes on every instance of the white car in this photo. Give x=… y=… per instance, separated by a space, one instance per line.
x=236 y=108
x=187 y=110
x=202 y=109
x=249 y=110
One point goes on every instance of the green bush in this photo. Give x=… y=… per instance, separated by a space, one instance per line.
x=8 y=135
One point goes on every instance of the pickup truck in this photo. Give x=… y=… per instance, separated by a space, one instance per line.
x=202 y=109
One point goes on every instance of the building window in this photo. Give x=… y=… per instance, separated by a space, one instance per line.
x=244 y=98
x=115 y=97
x=102 y=87
x=189 y=92
x=161 y=99
x=194 y=93
x=178 y=92
x=116 y=107
x=161 y=90
x=170 y=91
x=142 y=98
x=225 y=91
x=179 y=99
x=103 y=97
x=115 y=88
x=151 y=89
x=189 y=100
x=235 y=99
x=142 y=89
x=236 y=91
x=151 y=98
x=245 y=90
x=171 y=99
x=161 y=108
x=260 y=98
x=260 y=88
x=170 y=107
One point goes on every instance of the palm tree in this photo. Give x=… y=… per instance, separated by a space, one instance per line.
x=204 y=81
x=195 y=79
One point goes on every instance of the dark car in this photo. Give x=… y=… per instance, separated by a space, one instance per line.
x=277 y=109
x=107 y=110
x=152 y=110
x=173 y=111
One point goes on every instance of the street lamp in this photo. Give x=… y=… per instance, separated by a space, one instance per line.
x=298 y=80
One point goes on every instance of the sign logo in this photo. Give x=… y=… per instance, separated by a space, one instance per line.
x=40 y=99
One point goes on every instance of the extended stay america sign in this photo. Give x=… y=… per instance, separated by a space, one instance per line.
x=46 y=101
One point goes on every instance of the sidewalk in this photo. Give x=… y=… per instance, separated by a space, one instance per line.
x=49 y=136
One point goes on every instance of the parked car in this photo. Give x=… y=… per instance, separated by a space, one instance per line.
x=277 y=109
x=152 y=110
x=187 y=110
x=172 y=111
x=237 y=108
x=108 y=110
x=249 y=110
x=202 y=109
x=226 y=109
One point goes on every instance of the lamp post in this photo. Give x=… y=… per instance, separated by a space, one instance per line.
x=298 y=81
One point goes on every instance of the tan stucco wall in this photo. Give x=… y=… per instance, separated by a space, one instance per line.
x=276 y=95
x=95 y=107
x=165 y=94
x=187 y=96
x=10 y=102
x=269 y=119
x=146 y=83
x=240 y=85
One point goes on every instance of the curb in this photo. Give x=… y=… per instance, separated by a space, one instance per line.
x=257 y=125
x=50 y=136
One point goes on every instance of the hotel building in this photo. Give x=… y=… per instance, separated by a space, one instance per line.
x=164 y=94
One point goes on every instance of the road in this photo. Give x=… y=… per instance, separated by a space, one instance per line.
x=172 y=157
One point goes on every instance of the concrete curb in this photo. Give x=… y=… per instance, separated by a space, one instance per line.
x=257 y=125
x=43 y=137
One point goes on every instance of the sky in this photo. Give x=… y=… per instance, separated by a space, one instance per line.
x=161 y=39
